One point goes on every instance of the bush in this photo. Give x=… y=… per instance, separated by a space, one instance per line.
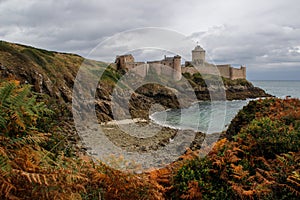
x=270 y=137
x=195 y=180
x=246 y=115
x=31 y=167
x=260 y=160
x=27 y=169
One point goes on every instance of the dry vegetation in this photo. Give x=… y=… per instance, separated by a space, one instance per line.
x=32 y=167
x=259 y=157
x=260 y=161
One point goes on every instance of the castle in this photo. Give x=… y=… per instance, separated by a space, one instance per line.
x=126 y=62
x=175 y=69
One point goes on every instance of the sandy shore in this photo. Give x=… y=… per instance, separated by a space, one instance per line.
x=124 y=121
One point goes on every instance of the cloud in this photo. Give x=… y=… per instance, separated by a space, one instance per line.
x=146 y=43
x=272 y=47
x=260 y=34
x=73 y=25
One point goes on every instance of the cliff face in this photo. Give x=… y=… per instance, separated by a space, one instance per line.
x=49 y=72
x=53 y=73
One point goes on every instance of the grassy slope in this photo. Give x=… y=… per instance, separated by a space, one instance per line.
x=49 y=72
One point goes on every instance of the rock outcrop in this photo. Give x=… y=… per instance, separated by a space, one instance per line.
x=53 y=73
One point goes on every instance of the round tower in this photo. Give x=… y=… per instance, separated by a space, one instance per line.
x=198 y=55
x=177 y=68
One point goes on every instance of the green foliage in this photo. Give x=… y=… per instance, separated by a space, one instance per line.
x=111 y=75
x=41 y=51
x=19 y=110
x=35 y=56
x=199 y=170
x=27 y=169
x=195 y=79
x=203 y=79
x=271 y=137
x=246 y=115
x=240 y=82
x=260 y=160
x=187 y=75
x=7 y=48
x=33 y=165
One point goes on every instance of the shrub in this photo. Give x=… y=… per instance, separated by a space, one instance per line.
x=246 y=115
x=27 y=170
x=260 y=160
x=32 y=168
x=196 y=180
x=270 y=137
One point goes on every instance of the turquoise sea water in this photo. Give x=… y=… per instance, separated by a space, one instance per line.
x=280 y=89
x=210 y=117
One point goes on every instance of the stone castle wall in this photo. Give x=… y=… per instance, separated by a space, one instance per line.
x=141 y=69
x=205 y=68
x=238 y=73
x=166 y=70
x=223 y=70
x=171 y=66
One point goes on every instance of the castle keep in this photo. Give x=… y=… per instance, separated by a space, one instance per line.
x=171 y=66
x=225 y=70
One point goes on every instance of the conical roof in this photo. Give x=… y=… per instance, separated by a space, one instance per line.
x=198 y=48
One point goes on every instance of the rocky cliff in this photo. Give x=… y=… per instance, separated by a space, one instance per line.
x=53 y=73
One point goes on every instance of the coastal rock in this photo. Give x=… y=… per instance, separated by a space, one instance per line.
x=54 y=73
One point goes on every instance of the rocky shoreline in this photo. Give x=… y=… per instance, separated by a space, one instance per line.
x=143 y=139
x=52 y=74
x=142 y=136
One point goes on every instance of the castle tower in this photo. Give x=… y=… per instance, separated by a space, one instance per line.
x=125 y=62
x=177 y=68
x=243 y=68
x=198 y=55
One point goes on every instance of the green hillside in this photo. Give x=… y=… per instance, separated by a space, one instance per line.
x=49 y=72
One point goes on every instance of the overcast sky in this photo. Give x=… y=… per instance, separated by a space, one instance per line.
x=263 y=35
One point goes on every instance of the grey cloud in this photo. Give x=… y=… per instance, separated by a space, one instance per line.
x=65 y=24
x=270 y=44
x=260 y=34
x=144 y=41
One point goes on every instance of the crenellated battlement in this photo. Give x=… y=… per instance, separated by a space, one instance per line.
x=171 y=66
